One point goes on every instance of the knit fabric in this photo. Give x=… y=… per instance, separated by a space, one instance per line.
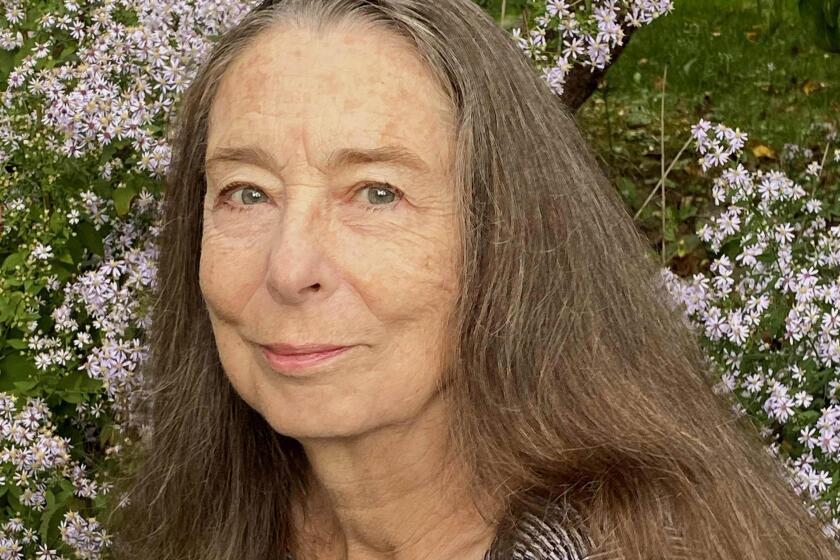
x=541 y=539
x=546 y=538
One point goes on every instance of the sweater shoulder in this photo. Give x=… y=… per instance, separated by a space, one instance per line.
x=555 y=534
x=550 y=538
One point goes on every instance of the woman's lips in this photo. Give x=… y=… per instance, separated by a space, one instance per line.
x=291 y=363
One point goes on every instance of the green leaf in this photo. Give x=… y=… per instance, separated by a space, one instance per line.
x=6 y=310
x=106 y=435
x=15 y=369
x=7 y=61
x=47 y=514
x=54 y=513
x=24 y=386
x=628 y=191
x=65 y=257
x=90 y=385
x=670 y=232
x=68 y=51
x=65 y=493
x=15 y=491
x=122 y=199
x=808 y=417
x=90 y=238
x=75 y=248
x=73 y=397
x=56 y=222
x=10 y=262
x=17 y=366
x=821 y=19
x=76 y=386
x=832 y=12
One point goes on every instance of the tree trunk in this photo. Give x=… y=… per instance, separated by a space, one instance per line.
x=582 y=82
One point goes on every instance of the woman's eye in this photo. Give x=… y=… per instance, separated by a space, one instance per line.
x=248 y=195
x=237 y=195
x=380 y=196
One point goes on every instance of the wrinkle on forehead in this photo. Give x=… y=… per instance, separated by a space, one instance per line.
x=405 y=94
x=252 y=68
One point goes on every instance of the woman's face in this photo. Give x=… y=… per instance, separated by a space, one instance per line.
x=311 y=248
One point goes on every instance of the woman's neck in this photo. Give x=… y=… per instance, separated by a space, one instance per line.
x=396 y=494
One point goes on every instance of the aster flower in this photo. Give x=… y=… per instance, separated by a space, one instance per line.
x=770 y=214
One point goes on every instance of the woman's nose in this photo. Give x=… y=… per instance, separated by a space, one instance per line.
x=297 y=264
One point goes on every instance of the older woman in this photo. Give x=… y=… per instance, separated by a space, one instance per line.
x=401 y=315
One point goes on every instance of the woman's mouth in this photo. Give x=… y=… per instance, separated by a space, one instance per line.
x=300 y=362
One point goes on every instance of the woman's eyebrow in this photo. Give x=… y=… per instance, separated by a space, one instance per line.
x=392 y=154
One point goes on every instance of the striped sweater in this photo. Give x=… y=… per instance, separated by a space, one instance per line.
x=545 y=539
x=538 y=539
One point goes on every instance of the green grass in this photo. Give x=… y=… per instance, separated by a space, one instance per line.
x=726 y=62
x=715 y=68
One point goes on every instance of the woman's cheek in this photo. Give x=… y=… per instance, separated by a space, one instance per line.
x=230 y=270
x=240 y=226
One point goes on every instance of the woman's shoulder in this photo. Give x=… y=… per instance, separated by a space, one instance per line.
x=553 y=535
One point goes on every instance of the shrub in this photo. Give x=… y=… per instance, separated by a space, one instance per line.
x=91 y=87
x=768 y=311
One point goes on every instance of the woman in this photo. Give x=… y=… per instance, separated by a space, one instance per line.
x=402 y=315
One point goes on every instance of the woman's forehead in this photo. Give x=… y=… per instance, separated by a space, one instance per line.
x=334 y=90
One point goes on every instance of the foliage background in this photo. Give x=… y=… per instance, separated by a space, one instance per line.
x=90 y=87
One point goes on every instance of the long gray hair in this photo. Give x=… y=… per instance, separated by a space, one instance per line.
x=573 y=379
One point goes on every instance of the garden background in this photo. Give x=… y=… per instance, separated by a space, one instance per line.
x=715 y=119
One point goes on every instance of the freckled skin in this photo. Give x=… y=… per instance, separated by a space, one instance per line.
x=307 y=262
x=386 y=278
